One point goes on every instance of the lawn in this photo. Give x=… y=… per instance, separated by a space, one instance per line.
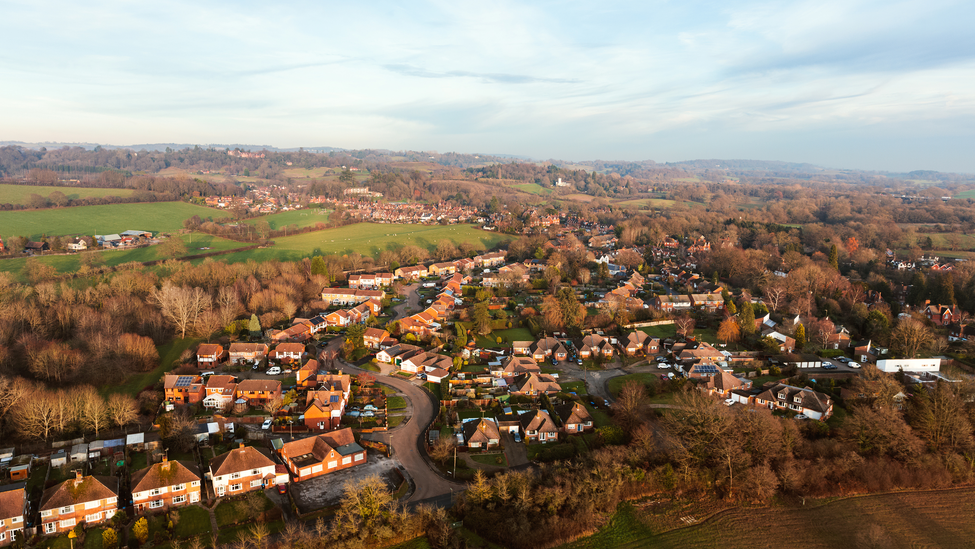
x=396 y=403
x=168 y=356
x=367 y=239
x=966 y=194
x=615 y=384
x=232 y=534
x=107 y=219
x=531 y=188
x=196 y=243
x=394 y=421
x=93 y=538
x=238 y=510
x=19 y=194
x=193 y=521
x=670 y=330
x=941 y=519
x=491 y=459
x=302 y=218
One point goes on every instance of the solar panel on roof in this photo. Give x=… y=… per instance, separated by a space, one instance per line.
x=335 y=398
x=184 y=381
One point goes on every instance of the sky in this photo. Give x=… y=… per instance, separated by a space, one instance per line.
x=880 y=85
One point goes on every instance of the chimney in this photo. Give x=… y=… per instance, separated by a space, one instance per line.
x=165 y=459
x=241 y=446
x=78 y=477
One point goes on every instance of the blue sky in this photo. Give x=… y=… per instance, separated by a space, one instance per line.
x=852 y=84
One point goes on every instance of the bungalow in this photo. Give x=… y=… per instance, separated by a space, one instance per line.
x=521 y=347
x=184 y=389
x=88 y=499
x=543 y=349
x=164 y=485
x=208 y=354
x=723 y=383
x=349 y=296
x=257 y=392
x=702 y=353
x=289 y=352
x=534 y=385
x=419 y=361
x=300 y=331
x=395 y=354
x=241 y=470
x=326 y=453
x=13 y=502
x=518 y=365
x=813 y=404
x=575 y=418
x=437 y=375
x=219 y=391
x=247 y=352
x=481 y=434
x=537 y=426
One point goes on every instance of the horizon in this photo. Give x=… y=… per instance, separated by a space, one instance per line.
x=858 y=86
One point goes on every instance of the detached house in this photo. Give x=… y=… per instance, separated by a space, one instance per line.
x=534 y=385
x=241 y=470
x=639 y=342
x=13 y=501
x=164 y=485
x=806 y=401
x=518 y=365
x=208 y=355
x=575 y=418
x=88 y=499
x=289 y=352
x=537 y=426
x=373 y=337
x=219 y=391
x=247 y=352
x=184 y=389
x=326 y=453
x=481 y=434
x=593 y=345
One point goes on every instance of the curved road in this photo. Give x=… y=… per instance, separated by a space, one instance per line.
x=406 y=439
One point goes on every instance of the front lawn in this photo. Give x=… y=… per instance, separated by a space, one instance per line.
x=396 y=403
x=615 y=385
x=394 y=421
x=193 y=521
x=491 y=459
x=242 y=509
x=232 y=534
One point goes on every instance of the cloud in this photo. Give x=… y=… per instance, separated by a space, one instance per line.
x=495 y=78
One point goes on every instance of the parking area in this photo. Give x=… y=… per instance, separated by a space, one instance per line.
x=327 y=490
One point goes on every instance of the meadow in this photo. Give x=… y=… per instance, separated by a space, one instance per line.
x=19 y=194
x=904 y=519
x=367 y=239
x=302 y=218
x=106 y=219
x=531 y=188
x=966 y=194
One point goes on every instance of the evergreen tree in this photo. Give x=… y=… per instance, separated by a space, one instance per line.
x=254 y=326
x=746 y=318
x=945 y=292
x=482 y=318
x=461 y=335
x=318 y=266
x=800 y=337
x=919 y=290
x=834 y=257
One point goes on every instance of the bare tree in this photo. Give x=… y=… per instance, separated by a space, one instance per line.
x=121 y=409
x=35 y=417
x=775 y=293
x=685 y=324
x=442 y=449
x=272 y=405
x=629 y=404
x=91 y=408
x=180 y=305
x=228 y=303
x=12 y=390
x=820 y=331
x=909 y=337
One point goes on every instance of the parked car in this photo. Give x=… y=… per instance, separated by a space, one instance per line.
x=729 y=401
x=282 y=488
x=802 y=416
x=517 y=437
x=829 y=366
x=843 y=359
x=255 y=367
x=852 y=364
x=368 y=413
x=663 y=365
x=288 y=371
x=273 y=371
x=267 y=423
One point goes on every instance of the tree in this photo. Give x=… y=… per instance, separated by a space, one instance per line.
x=461 y=339
x=728 y=331
x=629 y=404
x=318 y=266
x=834 y=257
x=12 y=391
x=254 y=326
x=909 y=337
x=800 y=336
x=445 y=250
x=91 y=408
x=109 y=539
x=36 y=417
x=141 y=530
x=442 y=449
x=173 y=247
x=939 y=417
x=121 y=409
x=482 y=318
x=685 y=324
x=746 y=318
x=820 y=331
x=181 y=305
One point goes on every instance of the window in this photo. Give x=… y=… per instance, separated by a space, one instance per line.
x=359 y=457
x=67 y=523
x=92 y=504
x=50 y=527
x=255 y=483
x=236 y=487
x=195 y=483
x=155 y=491
x=256 y=472
x=65 y=510
x=332 y=464
x=45 y=514
x=93 y=518
x=16 y=520
x=316 y=468
x=194 y=496
x=109 y=513
x=1 y=522
x=346 y=460
x=156 y=504
x=111 y=501
x=3 y=536
x=179 y=499
x=179 y=487
x=234 y=475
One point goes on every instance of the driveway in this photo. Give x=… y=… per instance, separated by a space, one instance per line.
x=516 y=452
x=327 y=490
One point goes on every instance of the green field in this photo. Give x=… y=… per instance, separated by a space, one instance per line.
x=301 y=218
x=650 y=202
x=72 y=262
x=966 y=194
x=905 y=519
x=367 y=239
x=107 y=219
x=18 y=194
x=531 y=188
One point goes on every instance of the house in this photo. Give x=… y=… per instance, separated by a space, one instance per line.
x=779 y=396
x=298 y=332
x=701 y=352
x=518 y=365
x=481 y=434
x=669 y=303
x=88 y=499
x=338 y=318
x=575 y=418
x=37 y=247
x=220 y=391
x=521 y=347
x=709 y=302
x=785 y=343
x=422 y=360
x=306 y=376
x=394 y=355
x=13 y=502
x=184 y=389
x=537 y=426
x=349 y=296
x=373 y=337
x=724 y=382
x=411 y=273
x=594 y=345
x=326 y=453
x=440 y=269
x=543 y=348
x=318 y=323
x=865 y=353
x=247 y=352
x=257 y=392
x=208 y=355
x=636 y=342
x=288 y=352
x=942 y=315
x=534 y=385
x=839 y=340
x=77 y=245
x=437 y=375
x=492 y=259
x=370 y=281
x=241 y=470
x=164 y=485
x=326 y=406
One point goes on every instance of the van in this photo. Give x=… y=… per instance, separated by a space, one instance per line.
x=207 y=373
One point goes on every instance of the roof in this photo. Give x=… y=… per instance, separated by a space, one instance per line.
x=542 y=383
x=239 y=459
x=257 y=385
x=573 y=413
x=74 y=491
x=167 y=473
x=537 y=420
x=12 y=503
x=248 y=348
x=223 y=382
x=810 y=399
x=208 y=349
x=481 y=430
x=290 y=348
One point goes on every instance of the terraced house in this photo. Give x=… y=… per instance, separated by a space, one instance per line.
x=13 y=500
x=88 y=499
x=164 y=485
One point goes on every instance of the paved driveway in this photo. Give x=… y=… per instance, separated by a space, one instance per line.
x=328 y=489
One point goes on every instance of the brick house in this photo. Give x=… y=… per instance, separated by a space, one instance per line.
x=575 y=418
x=184 y=389
x=534 y=385
x=251 y=352
x=288 y=352
x=208 y=354
x=87 y=499
x=803 y=400
x=13 y=501
x=537 y=426
x=373 y=337
x=164 y=485
x=220 y=391
x=307 y=375
x=326 y=453
x=481 y=434
x=411 y=273
x=241 y=470
x=258 y=391
x=595 y=344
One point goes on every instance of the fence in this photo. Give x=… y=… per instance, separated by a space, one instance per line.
x=648 y=323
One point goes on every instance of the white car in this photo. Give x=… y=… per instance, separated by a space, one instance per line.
x=852 y=364
x=663 y=366
x=273 y=371
x=802 y=416
x=267 y=423
x=729 y=401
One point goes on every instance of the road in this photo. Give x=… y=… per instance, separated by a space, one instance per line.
x=406 y=439
x=412 y=303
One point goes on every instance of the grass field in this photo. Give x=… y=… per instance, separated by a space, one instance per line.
x=531 y=188
x=111 y=218
x=301 y=218
x=966 y=194
x=616 y=384
x=670 y=330
x=18 y=194
x=168 y=356
x=72 y=262
x=908 y=520
x=367 y=239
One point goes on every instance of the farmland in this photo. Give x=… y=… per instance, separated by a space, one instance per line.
x=905 y=519
x=110 y=218
x=966 y=194
x=19 y=194
x=301 y=218
x=367 y=239
x=531 y=188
